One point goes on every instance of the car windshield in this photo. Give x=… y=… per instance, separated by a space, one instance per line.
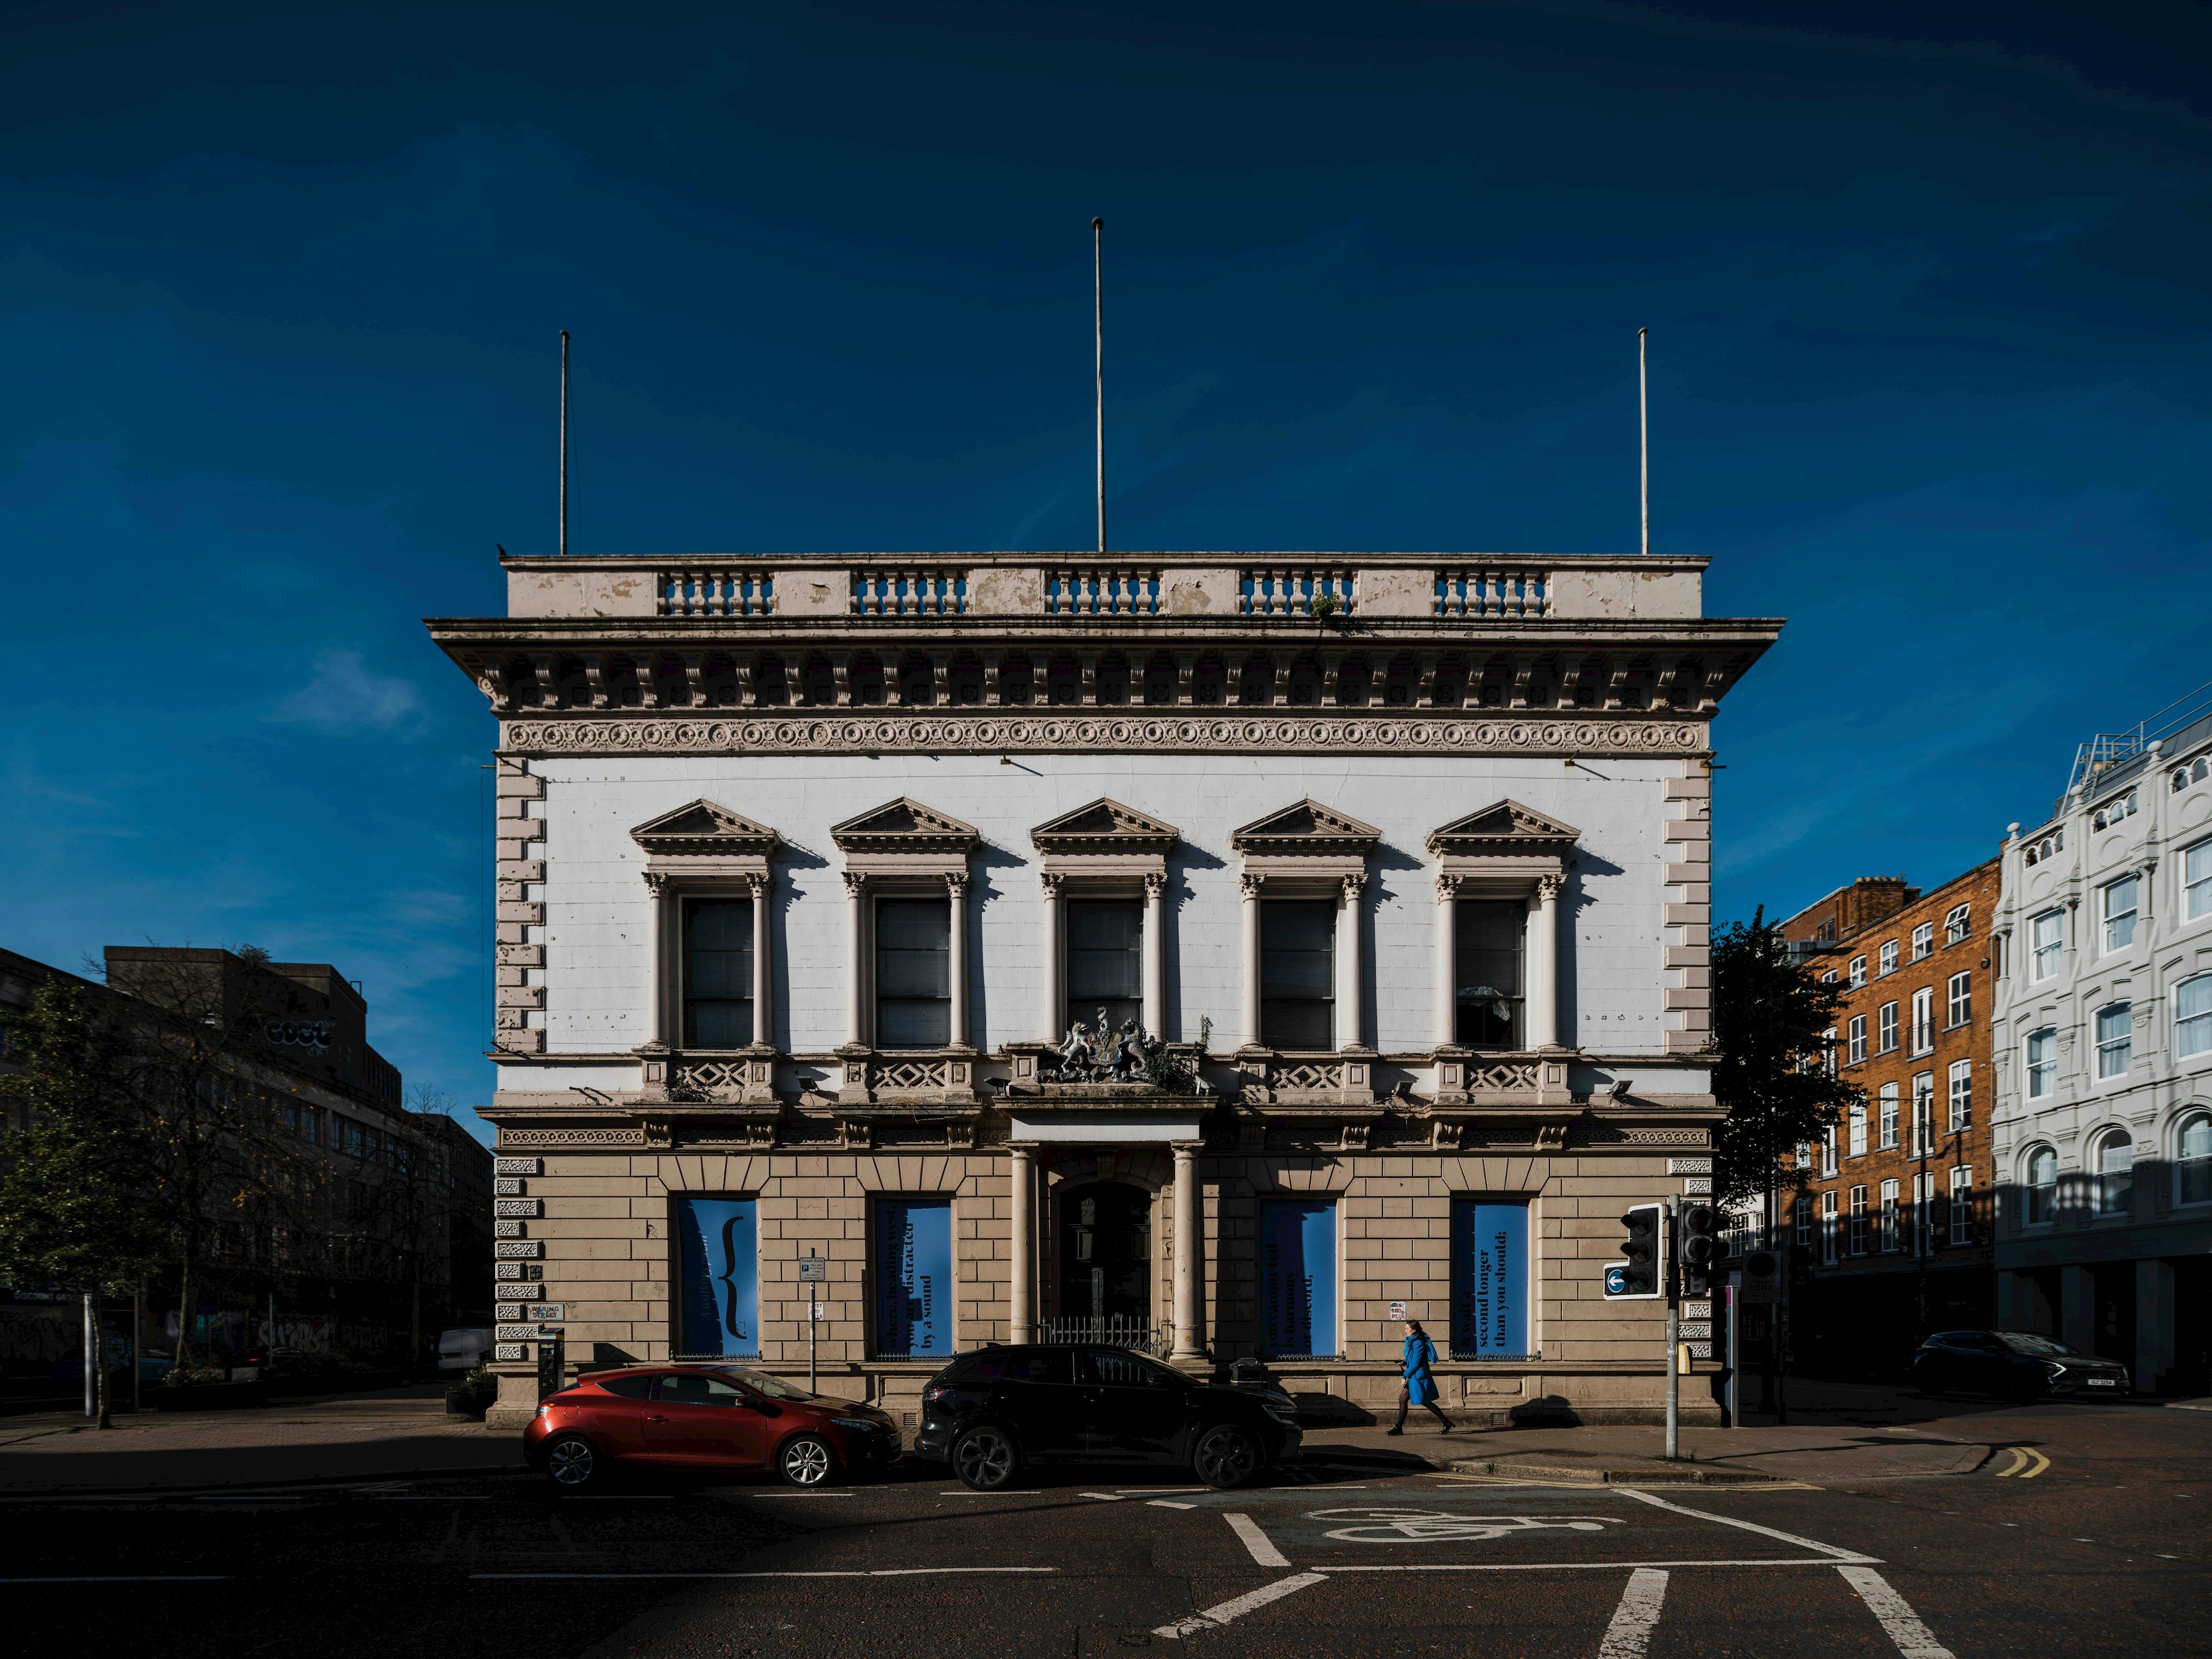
x=761 y=1382
x=2043 y=1347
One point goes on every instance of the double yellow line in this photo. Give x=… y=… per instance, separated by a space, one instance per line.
x=2027 y=1463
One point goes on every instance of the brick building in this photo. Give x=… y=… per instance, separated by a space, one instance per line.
x=1891 y=1236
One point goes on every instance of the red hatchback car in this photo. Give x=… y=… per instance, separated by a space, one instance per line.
x=703 y=1418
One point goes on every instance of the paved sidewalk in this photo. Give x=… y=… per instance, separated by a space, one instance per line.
x=1818 y=1452
x=397 y=1432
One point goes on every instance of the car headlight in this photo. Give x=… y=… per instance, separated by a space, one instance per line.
x=2054 y=1368
x=855 y=1423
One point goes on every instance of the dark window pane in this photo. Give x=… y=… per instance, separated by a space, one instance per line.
x=1489 y=989
x=913 y=976
x=718 y=973
x=630 y=1388
x=1297 y=972
x=1105 y=960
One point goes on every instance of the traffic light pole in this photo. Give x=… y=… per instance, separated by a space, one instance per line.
x=1674 y=1334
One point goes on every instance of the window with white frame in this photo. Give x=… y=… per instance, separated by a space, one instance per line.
x=1104 y=971
x=1924 y=1114
x=1857 y=1146
x=1888 y=1115
x=1886 y=1028
x=1961 y=1230
x=1954 y=923
x=1858 y=1221
x=2116 y=900
x=1829 y=977
x=2192 y=1160
x=2112 y=811
x=1828 y=1050
x=1800 y=1221
x=1961 y=1094
x=2196 y=880
x=1958 y=1002
x=1888 y=957
x=2041 y=1165
x=914 y=977
x=2192 y=1016
x=1923 y=1213
x=718 y=973
x=1859 y=966
x=2048 y=942
x=2116 y=1028
x=1828 y=1228
x=2042 y=1062
x=1828 y=1151
x=1923 y=1020
x=1923 y=939
x=1887 y=1237
x=1297 y=972
x=1859 y=1038
x=2115 y=1174
x=2195 y=772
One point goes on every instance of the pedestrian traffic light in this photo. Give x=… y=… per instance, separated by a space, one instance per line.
x=1697 y=1247
x=1640 y=1271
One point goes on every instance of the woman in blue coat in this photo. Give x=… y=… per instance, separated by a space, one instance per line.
x=1420 y=1387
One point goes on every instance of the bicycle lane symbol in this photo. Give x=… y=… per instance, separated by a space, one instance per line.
x=1400 y=1525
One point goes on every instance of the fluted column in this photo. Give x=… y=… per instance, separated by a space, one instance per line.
x=1446 y=1029
x=1156 y=973
x=956 y=889
x=1188 y=1349
x=764 y=1011
x=856 y=970
x=1021 y=1290
x=1050 y=1004
x=1543 y=992
x=1248 y=1010
x=1352 y=986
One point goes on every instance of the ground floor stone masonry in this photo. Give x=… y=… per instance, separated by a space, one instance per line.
x=1208 y=1253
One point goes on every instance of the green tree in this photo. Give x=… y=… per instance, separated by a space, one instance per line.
x=73 y=1179
x=1772 y=1029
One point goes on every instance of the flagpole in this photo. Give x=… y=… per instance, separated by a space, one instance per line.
x=1643 y=434
x=1098 y=323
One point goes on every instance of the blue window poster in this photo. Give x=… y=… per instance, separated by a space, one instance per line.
x=914 y=1278
x=718 y=1277
x=1298 y=1277
x=1490 y=1279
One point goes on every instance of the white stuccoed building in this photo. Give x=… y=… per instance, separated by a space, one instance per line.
x=807 y=865
x=2102 y=1047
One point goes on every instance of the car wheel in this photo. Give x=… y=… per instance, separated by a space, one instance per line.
x=573 y=1463
x=986 y=1459
x=1226 y=1456
x=807 y=1461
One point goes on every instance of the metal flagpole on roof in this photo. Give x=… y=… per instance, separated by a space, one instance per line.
x=1643 y=434
x=564 y=441
x=1098 y=322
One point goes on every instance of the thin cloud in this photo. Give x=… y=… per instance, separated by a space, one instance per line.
x=345 y=696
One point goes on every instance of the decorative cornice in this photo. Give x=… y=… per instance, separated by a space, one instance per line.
x=1305 y=827
x=1503 y=828
x=1104 y=827
x=905 y=825
x=701 y=830
x=1670 y=733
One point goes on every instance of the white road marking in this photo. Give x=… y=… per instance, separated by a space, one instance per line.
x=1912 y=1637
x=1828 y=1550
x=798 y=1494
x=1582 y=1566
x=1637 y=1617
x=1156 y=1491
x=1170 y=1503
x=1103 y=1497
x=1214 y=1618
x=878 y=1572
x=1256 y=1541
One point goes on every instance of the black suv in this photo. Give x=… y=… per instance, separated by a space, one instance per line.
x=989 y=1413
x=2017 y=1363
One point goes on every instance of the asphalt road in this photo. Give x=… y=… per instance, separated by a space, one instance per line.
x=2091 y=1538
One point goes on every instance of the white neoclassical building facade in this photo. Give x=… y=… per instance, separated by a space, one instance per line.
x=1385 y=880
x=2102 y=1047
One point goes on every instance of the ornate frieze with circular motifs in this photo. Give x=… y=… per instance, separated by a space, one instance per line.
x=993 y=731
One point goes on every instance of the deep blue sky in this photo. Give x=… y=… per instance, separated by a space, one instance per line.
x=279 y=290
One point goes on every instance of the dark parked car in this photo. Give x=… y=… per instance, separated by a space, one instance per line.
x=991 y=1414
x=703 y=1418
x=2017 y=1365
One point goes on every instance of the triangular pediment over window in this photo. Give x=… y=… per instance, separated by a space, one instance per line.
x=1307 y=828
x=904 y=826
x=1104 y=827
x=704 y=829
x=1503 y=830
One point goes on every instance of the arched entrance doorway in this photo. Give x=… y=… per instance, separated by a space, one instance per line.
x=1105 y=1254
